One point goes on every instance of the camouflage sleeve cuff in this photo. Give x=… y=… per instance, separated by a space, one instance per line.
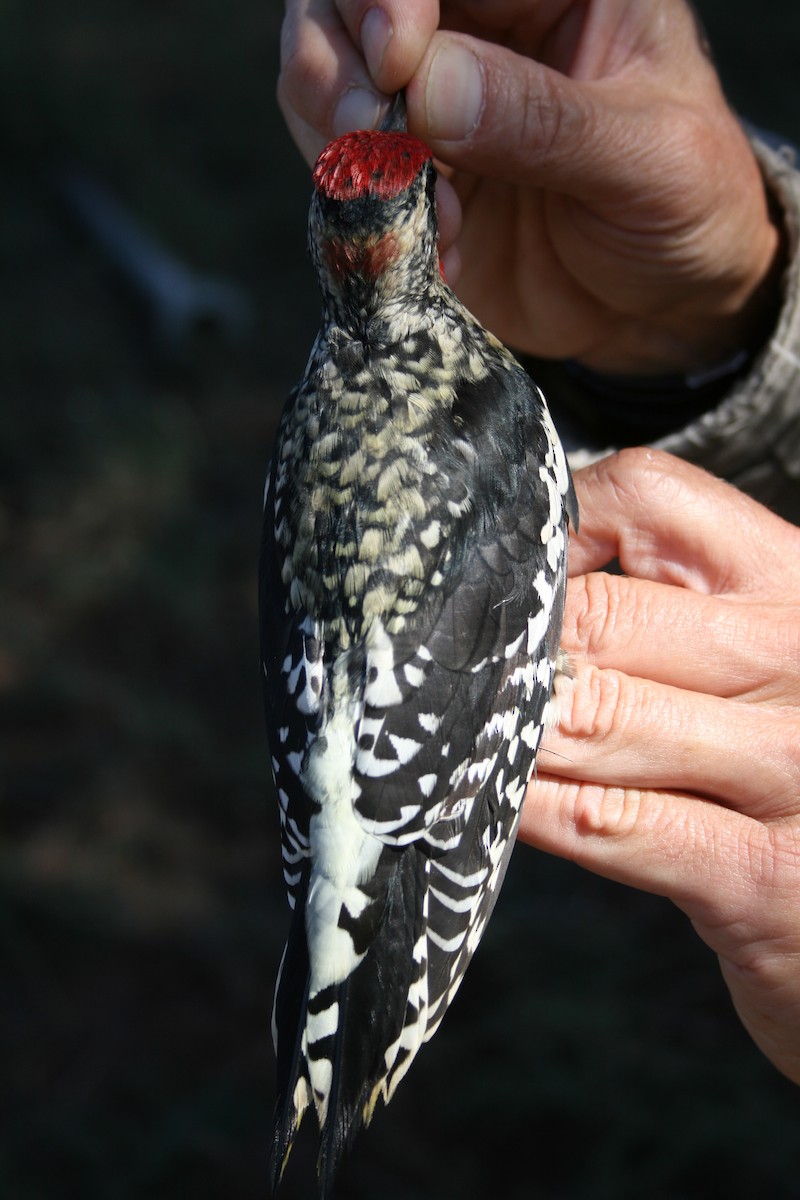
x=752 y=437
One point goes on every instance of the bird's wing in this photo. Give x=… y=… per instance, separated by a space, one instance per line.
x=439 y=697
x=292 y=675
x=454 y=708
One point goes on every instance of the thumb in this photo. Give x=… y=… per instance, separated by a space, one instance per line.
x=487 y=110
x=492 y=112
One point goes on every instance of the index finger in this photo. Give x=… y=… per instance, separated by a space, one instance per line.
x=339 y=57
x=324 y=87
x=668 y=521
x=393 y=36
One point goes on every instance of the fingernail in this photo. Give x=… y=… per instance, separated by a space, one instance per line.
x=376 y=33
x=357 y=109
x=453 y=93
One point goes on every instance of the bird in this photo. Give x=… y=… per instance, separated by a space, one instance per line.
x=411 y=590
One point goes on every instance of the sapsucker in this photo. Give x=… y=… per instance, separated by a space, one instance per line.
x=412 y=583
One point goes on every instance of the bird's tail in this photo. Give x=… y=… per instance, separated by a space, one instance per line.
x=353 y=1040
x=291 y=1000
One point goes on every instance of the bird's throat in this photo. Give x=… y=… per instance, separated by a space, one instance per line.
x=366 y=258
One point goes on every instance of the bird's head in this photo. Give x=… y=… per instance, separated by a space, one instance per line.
x=373 y=233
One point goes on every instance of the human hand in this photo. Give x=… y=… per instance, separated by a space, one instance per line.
x=603 y=200
x=675 y=765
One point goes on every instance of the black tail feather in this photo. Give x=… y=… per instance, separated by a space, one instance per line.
x=331 y=1148
x=291 y=1002
x=372 y=1010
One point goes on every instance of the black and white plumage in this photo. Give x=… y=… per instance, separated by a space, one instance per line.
x=412 y=581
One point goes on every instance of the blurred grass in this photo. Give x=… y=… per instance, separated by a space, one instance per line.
x=592 y=1053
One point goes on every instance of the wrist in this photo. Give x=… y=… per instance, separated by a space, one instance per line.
x=672 y=379
x=697 y=338
x=700 y=324
x=705 y=341
x=626 y=407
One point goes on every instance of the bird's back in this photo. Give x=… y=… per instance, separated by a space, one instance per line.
x=412 y=579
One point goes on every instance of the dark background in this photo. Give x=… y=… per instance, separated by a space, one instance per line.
x=592 y=1052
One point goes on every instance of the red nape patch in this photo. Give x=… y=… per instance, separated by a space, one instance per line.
x=369 y=163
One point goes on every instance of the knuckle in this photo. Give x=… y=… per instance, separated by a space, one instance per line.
x=778 y=733
x=638 y=472
x=636 y=460
x=594 y=607
x=541 y=117
x=780 y=631
x=550 y=128
x=295 y=67
x=597 y=705
x=791 y=741
x=607 y=812
x=766 y=946
x=316 y=58
x=758 y=856
x=550 y=121
x=765 y=926
x=778 y=859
